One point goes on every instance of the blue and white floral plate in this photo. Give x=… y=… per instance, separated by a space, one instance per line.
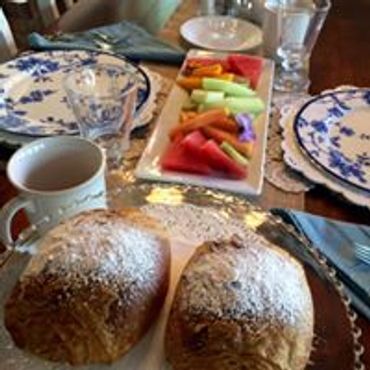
x=333 y=130
x=32 y=98
x=296 y=159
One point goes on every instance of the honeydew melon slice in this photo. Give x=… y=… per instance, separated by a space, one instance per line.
x=245 y=105
x=230 y=88
x=189 y=104
x=234 y=154
x=203 y=96
x=251 y=105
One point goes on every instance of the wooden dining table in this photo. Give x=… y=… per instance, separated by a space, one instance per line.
x=340 y=57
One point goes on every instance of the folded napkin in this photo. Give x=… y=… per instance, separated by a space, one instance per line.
x=336 y=241
x=125 y=38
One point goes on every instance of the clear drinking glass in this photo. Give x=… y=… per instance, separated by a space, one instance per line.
x=103 y=99
x=216 y=7
x=298 y=24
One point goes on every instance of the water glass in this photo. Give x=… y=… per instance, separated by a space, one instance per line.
x=298 y=24
x=103 y=98
x=216 y=7
x=250 y=10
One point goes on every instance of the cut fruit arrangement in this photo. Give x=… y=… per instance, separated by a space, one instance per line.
x=215 y=135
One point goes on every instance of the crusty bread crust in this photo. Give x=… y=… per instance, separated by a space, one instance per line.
x=240 y=307
x=96 y=285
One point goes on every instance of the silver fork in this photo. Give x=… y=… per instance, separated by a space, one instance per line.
x=362 y=252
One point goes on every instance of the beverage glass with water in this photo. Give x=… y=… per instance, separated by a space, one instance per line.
x=217 y=7
x=103 y=98
x=297 y=24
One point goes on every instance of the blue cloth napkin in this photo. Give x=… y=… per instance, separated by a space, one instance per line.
x=125 y=39
x=336 y=241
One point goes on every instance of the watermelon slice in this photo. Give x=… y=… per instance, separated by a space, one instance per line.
x=177 y=158
x=193 y=142
x=247 y=66
x=219 y=161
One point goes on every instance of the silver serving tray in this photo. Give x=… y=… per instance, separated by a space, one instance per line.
x=192 y=215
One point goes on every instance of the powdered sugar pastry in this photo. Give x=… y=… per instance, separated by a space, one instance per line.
x=97 y=246
x=242 y=281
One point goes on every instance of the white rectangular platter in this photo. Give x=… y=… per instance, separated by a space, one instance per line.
x=149 y=167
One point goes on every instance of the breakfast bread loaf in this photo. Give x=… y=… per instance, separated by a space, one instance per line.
x=240 y=307
x=94 y=288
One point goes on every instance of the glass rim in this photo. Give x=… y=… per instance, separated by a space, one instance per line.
x=133 y=78
x=324 y=6
x=18 y=184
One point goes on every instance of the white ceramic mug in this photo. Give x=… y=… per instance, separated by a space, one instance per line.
x=53 y=177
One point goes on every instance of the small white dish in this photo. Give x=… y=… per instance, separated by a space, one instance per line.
x=222 y=33
x=149 y=167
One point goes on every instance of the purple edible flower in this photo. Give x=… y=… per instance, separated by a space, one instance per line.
x=245 y=123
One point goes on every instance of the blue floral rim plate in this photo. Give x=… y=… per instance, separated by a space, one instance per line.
x=333 y=130
x=32 y=99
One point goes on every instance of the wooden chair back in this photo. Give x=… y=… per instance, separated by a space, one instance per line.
x=50 y=10
x=8 y=48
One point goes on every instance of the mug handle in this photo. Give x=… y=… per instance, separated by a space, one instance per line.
x=7 y=214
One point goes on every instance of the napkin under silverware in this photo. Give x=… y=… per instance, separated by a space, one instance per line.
x=336 y=242
x=124 y=38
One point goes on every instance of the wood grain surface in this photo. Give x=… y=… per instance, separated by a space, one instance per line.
x=341 y=56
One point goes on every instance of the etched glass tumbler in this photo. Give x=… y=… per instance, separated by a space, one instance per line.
x=298 y=25
x=103 y=99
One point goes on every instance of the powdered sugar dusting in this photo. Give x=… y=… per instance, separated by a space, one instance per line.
x=195 y=224
x=12 y=358
x=258 y=280
x=98 y=246
x=248 y=281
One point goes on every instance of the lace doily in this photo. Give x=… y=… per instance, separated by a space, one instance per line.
x=277 y=172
